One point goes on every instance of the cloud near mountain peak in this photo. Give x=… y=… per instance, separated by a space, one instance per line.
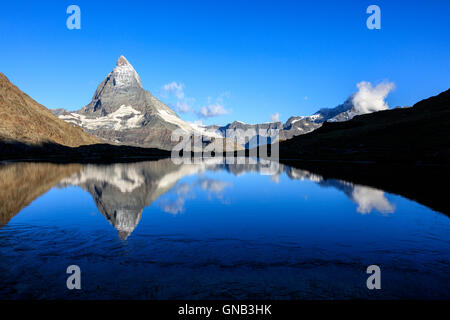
x=370 y=99
x=275 y=117
x=174 y=88
x=213 y=110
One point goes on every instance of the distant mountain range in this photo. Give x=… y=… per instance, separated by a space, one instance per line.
x=123 y=121
x=295 y=125
x=122 y=112
x=417 y=134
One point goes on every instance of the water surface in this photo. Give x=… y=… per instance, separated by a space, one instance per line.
x=157 y=230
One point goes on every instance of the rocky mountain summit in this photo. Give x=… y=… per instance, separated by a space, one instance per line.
x=122 y=112
x=122 y=89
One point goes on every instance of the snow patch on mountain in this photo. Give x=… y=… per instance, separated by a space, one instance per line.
x=206 y=131
x=122 y=119
x=166 y=116
x=124 y=74
x=187 y=126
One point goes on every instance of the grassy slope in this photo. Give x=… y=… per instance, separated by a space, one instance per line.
x=24 y=120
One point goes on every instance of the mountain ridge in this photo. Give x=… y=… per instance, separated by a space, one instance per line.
x=26 y=121
x=418 y=134
x=296 y=125
x=122 y=112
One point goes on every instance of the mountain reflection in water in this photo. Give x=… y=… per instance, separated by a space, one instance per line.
x=122 y=191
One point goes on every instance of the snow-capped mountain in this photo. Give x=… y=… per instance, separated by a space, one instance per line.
x=367 y=99
x=296 y=125
x=304 y=124
x=122 y=112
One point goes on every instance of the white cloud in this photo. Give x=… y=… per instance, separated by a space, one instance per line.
x=213 y=110
x=370 y=99
x=275 y=178
x=183 y=106
x=275 y=117
x=368 y=199
x=183 y=192
x=214 y=186
x=174 y=88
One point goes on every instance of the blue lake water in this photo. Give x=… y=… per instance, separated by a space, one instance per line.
x=157 y=230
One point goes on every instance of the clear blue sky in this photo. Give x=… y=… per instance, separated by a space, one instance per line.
x=262 y=57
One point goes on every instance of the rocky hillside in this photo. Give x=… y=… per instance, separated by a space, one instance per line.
x=24 y=120
x=419 y=134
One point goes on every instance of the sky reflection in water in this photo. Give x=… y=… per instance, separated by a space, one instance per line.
x=212 y=230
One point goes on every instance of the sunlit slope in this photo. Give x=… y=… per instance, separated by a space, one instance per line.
x=24 y=120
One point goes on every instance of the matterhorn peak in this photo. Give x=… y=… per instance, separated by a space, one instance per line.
x=122 y=61
x=125 y=75
x=123 y=112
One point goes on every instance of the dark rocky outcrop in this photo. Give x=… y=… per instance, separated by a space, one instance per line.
x=416 y=135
